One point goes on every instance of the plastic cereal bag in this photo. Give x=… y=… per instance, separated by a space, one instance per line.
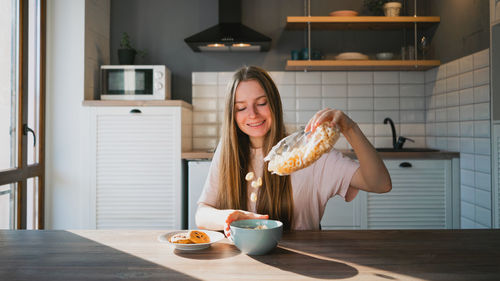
x=301 y=149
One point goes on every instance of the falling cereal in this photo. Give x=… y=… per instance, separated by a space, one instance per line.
x=257 y=183
x=249 y=176
x=253 y=197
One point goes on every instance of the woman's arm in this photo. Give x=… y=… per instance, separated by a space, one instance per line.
x=372 y=174
x=208 y=217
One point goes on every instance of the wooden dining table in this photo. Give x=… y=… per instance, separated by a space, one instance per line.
x=300 y=255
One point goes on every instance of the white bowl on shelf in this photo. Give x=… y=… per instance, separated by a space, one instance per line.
x=384 y=56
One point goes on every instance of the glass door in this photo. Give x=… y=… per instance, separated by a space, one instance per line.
x=143 y=82
x=22 y=53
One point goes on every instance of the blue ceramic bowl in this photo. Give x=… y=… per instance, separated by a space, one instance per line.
x=254 y=241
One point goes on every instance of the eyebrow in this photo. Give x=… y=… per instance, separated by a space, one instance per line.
x=263 y=96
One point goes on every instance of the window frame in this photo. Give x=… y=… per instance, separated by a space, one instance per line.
x=23 y=171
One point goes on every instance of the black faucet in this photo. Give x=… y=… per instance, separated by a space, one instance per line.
x=387 y=119
x=401 y=140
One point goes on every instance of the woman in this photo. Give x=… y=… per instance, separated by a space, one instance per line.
x=253 y=124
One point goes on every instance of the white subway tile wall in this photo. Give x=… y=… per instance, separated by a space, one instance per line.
x=458 y=118
x=367 y=97
x=447 y=108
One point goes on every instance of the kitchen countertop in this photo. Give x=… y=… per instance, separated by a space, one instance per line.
x=197 y=154
x=300 y=255
x=441 y=154
x=137 y=103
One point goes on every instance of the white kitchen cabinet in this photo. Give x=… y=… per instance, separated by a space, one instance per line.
x=136 y=164
x=344 y=215
x=197 y=175
x=424 y=195
x=496 y=174
x=421 y=196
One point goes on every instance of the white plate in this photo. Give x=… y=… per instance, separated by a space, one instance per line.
x=214 y=237
x=351 y=56
x=384 y=56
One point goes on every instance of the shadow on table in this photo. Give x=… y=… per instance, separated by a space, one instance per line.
x=61 y=255
x=306 y=265
x=391 y=254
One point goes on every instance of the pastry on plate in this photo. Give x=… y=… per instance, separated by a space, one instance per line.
x=197 y=236
x=180 y=238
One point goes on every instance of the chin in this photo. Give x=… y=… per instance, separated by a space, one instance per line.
x=257 y=133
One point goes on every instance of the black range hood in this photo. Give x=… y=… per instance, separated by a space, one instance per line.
x=229 y=35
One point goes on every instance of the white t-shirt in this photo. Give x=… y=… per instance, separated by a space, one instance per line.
x=312 y=186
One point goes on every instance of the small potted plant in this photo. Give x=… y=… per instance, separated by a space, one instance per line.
x=127 y=53
x=390 y=8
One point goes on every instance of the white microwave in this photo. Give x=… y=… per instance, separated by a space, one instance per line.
x=135 y=82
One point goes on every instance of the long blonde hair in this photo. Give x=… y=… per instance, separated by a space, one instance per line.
x=275 y=195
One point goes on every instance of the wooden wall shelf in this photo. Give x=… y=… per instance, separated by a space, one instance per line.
x=360 y=23
x=347 y=65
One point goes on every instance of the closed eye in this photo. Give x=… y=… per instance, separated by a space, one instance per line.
x=241 y=109
x=262 y=104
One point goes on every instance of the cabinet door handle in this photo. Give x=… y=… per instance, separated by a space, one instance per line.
x=405 y=165
x=135 y=110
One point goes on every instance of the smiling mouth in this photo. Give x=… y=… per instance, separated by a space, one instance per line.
x=256 y=124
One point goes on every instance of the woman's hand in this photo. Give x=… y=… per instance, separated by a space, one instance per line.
x=335 y=117
x=372 y=176
x=240 y=215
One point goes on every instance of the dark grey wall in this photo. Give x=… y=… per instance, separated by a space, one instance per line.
x=160 y=26
x=464 y=28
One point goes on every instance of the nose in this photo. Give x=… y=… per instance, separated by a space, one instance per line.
x=252 y=111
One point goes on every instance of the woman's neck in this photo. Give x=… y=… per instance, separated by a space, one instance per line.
x=256 y=143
